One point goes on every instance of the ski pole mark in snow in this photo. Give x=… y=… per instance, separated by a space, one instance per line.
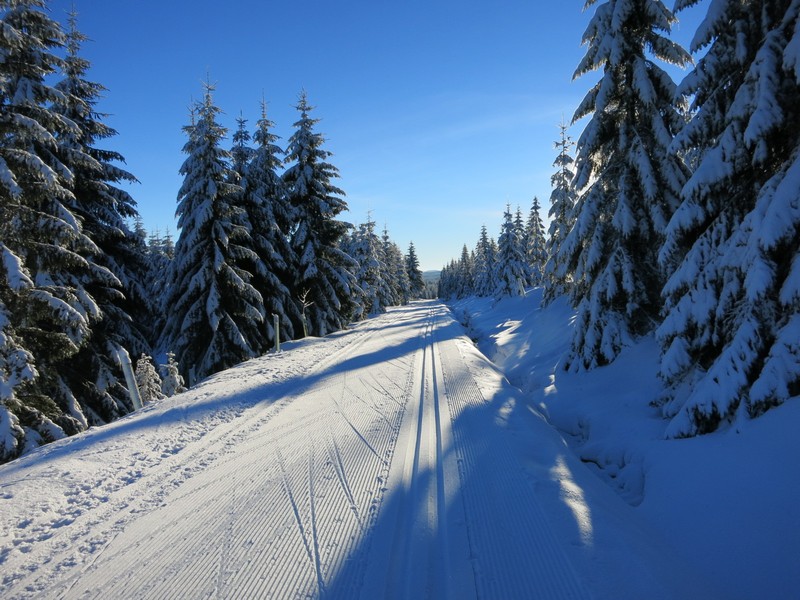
x=336 y=460
x=314 y=533
x=287 y=486
x=359 y=434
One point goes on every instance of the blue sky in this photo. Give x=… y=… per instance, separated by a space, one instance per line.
x=438 y=112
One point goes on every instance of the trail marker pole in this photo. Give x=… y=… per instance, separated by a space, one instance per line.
x=276 y=321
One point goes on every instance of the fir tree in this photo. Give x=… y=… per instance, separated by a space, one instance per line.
x=241 y=152
x=322 y=276
x=630 y=180
x=372 y=273
x=510 y=260
x=16 y=364
x=160 y=252
x=448 y=281
x=171 y=380
x=557 y=279
x=415 y=280
x=522 y=236
x=48 y=262
x=104 y=211
x=485 y=269
x=269 y=217
x=214 y=309
x=148 y=380
x=732 y=325
x=535 y=245
x=399 y=282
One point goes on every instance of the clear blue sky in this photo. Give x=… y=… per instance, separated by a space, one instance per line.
x=438 y=112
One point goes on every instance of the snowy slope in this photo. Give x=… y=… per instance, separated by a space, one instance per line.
x=390 y=460
x=726 y=501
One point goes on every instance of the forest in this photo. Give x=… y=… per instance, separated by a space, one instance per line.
x=678 y=214
x=82 y=282
x=675 y=213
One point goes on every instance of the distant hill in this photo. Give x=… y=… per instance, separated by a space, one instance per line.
x=431 y=276
x=431 y=279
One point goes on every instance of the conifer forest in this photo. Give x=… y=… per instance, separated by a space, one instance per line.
x=675 y=212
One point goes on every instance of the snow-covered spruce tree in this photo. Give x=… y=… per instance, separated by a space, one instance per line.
x=522 y=236
x=241 y=152
x=270 y=218
x=511 y=273
x=48 y=262
x=557 y=279
x=416 y=282
x=104 y=211
x=147 y=380
x=399 y=282
x=462 y=283
x=630 y=181
x=16 y=364
x=214 y=310
x=731 y=334
x=484 y=267
x=535 y=245
x=371 y=274
x=171 y=380
x=448 y=284
x=160 y=252
x=322 y=275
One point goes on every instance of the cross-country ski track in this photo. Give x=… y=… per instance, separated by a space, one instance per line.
x=387 y=461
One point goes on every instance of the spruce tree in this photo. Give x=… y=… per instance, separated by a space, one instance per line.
x=416 y=282
x=732 y=325
x=16 y=364
x=631 y=182
x=322 y=277
x=48 y=262
x=449 y=281
x=484 y=268
x=269 y=217
x=214 y=309
x=372 y=274
x=104 y=211
x=160 y=252
x=535 y=245
x=147 y=380
x=241 y=152
x=522 y=237
x=557 y=278
x=171 y=380
x=511 y=273
x=396 y=267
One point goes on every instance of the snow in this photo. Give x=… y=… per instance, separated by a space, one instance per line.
x=389 y=460
x=725 y=502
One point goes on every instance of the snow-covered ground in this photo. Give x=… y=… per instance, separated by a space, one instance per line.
x=394 y=460
x=728 y=503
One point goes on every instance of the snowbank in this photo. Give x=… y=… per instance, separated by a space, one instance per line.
x=728 y=500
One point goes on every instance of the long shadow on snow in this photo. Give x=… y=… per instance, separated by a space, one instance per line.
x=509 y=545
x=214 y=403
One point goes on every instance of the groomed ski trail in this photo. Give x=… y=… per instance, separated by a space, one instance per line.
x=369 y=470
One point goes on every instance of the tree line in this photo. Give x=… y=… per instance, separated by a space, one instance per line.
x=679 y=215
x=80 y=283
x=500 y=268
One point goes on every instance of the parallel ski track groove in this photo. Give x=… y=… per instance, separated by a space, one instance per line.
x=543 y=571
x=378 y=443
x=314 y=532
x=441 y=525
x=226 y=483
